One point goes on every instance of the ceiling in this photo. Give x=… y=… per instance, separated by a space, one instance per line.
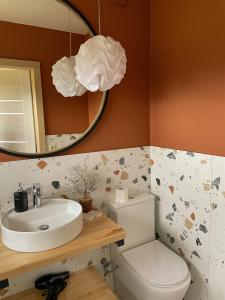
x=50 y=14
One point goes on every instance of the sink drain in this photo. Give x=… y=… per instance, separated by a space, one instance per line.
x=44 y=227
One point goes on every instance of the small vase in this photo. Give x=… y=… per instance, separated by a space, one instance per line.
x=86 y=203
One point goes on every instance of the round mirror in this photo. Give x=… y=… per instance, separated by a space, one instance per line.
x=35 y=119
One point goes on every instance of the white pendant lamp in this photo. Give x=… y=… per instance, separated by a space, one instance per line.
x=65 y=78
x=100 y=63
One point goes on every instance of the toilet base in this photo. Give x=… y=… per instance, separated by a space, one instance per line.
x=122 y=291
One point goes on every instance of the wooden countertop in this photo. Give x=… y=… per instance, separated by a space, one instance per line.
x=82 y=285
x=97 y=233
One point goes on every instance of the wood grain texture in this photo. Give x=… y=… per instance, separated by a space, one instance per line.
x=100 y=232
x=82 y=285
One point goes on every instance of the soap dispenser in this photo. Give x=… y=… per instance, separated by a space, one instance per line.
x=20 y=200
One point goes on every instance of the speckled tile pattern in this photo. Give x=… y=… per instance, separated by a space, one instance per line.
x=190 y=215
x=216 y=274
x=182 y=182
x=126 y=167
x=56 y=142
x=190 y=209
x=217 y=230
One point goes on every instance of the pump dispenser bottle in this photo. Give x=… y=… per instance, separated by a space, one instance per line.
x=20 y=199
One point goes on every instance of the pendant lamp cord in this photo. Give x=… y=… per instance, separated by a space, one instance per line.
x=70 y=33
x=99 y=17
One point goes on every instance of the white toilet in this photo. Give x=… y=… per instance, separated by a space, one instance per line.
x=148 y=270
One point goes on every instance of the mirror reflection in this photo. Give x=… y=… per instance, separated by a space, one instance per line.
x=34 y=117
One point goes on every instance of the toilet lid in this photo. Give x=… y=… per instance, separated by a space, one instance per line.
x=156 y=264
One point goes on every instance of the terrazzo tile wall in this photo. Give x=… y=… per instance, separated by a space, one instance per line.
x=190 y=215
x=190 y=209
x=127 y=167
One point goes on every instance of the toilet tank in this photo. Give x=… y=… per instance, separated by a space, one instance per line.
x=137 y=217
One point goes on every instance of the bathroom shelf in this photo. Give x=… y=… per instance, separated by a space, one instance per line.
x=97 y=233
x=85 y=284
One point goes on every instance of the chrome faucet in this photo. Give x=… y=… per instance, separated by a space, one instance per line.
x=36 y=192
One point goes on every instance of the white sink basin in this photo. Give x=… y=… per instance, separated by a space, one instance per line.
x=55 y=223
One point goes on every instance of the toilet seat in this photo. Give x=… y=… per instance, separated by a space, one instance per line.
x=157 y=265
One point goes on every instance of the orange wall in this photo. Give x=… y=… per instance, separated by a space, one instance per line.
x=94 y=104
x=188 y=75
x=62 y=115
x=126 y=119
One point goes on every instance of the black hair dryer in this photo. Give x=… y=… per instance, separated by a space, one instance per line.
x=52 y=284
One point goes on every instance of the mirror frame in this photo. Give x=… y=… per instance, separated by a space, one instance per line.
x=94 y=124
